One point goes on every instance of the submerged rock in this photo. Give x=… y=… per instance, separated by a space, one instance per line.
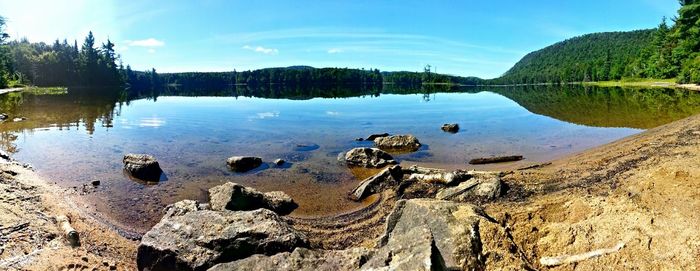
x=243 y=163
x=372 y=137
x=198 y=240
x=301 y=259
x=398 y=142
x=142 y=166
x=450 y=127
x=387 y=178
x=232 y=196
x=368 y=157
x=279 y=162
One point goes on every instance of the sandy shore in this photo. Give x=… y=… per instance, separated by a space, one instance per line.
x=31 y=240
x=642 y=191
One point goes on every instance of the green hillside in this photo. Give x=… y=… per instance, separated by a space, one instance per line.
x=663 y=53
x=592 y=57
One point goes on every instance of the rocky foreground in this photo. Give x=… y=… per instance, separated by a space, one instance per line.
x=631 y=204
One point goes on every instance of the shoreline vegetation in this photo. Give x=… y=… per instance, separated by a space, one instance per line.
x=633 y=191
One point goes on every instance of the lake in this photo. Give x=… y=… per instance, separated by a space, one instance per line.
x=75 y=137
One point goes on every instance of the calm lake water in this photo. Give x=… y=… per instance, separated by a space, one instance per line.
x=74 y=138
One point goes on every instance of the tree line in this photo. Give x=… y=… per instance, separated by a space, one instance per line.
x=664 y=52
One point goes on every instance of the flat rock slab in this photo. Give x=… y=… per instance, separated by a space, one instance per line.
x=198 y=240
x=454 y=228
x=475 y=188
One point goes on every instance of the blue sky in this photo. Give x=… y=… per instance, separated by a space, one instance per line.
x=479 y=38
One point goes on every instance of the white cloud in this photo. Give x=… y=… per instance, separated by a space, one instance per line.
x=150 y=42
x=335 y=50
x=260 y=49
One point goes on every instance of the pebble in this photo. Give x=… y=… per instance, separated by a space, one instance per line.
x=95 y=183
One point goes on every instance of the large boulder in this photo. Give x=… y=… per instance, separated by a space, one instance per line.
x=453 y=228
x=387 y=178
x=198 y=240
x=142 y=166
x=235 y=197
x=243 y=163
x=368 y=157
x=301 y=259
x=398 y=143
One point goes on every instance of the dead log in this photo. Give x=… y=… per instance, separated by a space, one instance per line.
x=496 y=159
x=68 y=231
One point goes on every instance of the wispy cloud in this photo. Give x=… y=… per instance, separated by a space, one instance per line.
x=150 y=42
x=335 y=50
x=260 y=49
x=346 y=34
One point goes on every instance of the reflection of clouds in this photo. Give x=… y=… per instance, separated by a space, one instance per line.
x=151 y=122
x=265 y=115
x=332 y=113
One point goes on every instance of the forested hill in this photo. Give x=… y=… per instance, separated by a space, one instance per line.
x=592 y=57
x=660 y=53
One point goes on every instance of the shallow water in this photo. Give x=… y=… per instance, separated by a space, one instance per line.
x=75 y=138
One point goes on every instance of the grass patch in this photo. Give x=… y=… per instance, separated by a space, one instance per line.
x=635 y=82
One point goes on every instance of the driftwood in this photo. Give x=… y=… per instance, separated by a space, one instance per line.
x=497 y=159
x=553 y=261
x=68 y=231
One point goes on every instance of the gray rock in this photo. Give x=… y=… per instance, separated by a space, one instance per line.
x=198 y=240
x=301 y=259
x=368 y=157
x=454 y=228
x=387 y=178
x=243 y=163
x=475 y=188
x=372 y=137
x=234 y=197
x=398 y=142
x=142 y=166
x=450 y=127
x=409 y=251
x=279 y=162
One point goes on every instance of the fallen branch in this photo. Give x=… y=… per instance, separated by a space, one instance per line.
x=497 y=159
x=553 y=261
